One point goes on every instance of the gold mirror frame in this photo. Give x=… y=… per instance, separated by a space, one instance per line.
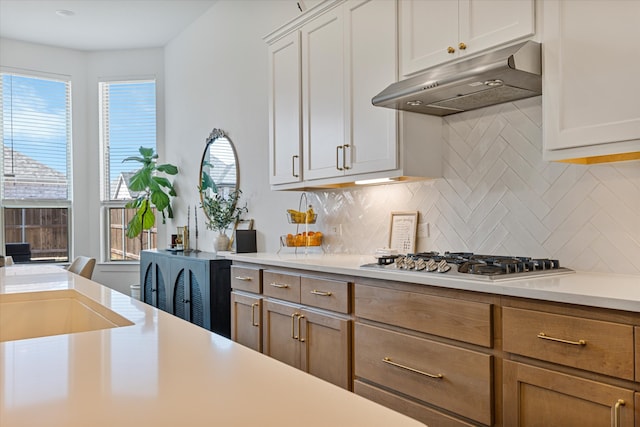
x=225 y=157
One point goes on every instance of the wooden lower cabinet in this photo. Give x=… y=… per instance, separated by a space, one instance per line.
x=311 y=340
x=534 y=396
x=425 y=414
x=246 y=319
x=637 y=353
x=453 y=378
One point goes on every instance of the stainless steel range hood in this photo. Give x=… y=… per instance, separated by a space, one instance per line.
x=500 y=76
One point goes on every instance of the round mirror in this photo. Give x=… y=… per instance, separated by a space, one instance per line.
x=219 y=166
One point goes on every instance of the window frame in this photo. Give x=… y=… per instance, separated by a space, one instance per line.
x=31 y=203
x=106 y=204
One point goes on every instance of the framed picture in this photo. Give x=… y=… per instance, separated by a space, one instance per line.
x=403 y=231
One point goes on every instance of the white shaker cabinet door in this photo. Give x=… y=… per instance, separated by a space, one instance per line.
x=488 y=23
x=591 y=78
x=427 y=30
x=284 y=111
x=323 y=97
x=436 y=31
x=370 y=32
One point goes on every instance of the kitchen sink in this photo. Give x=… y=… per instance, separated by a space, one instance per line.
x=41 y=314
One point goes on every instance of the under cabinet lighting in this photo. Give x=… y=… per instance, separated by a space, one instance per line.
x=374 y=181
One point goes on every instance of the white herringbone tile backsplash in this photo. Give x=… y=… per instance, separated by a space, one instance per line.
x=498 y=196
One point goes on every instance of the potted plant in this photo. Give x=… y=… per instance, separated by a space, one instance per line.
x=222 y=211
x=153 y=190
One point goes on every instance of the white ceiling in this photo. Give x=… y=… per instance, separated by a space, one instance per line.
x=99 y=24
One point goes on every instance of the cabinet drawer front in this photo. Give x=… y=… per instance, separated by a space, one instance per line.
x=281 y=285
x=405 y=363
x=323 y=293
x=593 y=345
x=246 y=279
x=447 y=317
x=422 y=413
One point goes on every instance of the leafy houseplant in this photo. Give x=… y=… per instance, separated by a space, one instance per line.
x=153 y=191
x=223 y=211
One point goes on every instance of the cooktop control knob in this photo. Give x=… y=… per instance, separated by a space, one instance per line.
x=443 y=267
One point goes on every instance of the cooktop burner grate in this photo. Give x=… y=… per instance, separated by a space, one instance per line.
x=486 y=267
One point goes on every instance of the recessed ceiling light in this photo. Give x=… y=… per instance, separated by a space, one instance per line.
x=65 y=13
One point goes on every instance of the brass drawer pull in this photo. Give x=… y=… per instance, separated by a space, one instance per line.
x=338 y=148
x=300 y=316
x=321 y=293
x=279 y=285
x=544 y=336
x=426 y=374
x=293 y=326
x=616 y=412
x=253 y=314
x=243 y=278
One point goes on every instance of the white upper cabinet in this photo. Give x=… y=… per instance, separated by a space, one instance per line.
x=348 y=55
x=591 y=101
x=284 y=110
x=323 y=95
x=437 y=31
x=371 y=52
x=348 y=52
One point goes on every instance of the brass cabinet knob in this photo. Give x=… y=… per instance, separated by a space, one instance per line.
x=450 y=49
x=462 y=46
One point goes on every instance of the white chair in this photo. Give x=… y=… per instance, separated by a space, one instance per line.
x=82 y=266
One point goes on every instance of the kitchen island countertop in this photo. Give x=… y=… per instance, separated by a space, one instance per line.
x=605 y=290
x=160 y=371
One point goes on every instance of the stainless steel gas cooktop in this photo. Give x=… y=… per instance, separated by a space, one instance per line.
x=467 y=265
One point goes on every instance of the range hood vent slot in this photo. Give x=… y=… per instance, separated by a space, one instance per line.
x=504 y=75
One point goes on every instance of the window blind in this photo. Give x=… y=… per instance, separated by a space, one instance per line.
x=35 y=132
x=128 y=121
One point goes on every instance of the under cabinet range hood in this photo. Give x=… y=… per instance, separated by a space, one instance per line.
x=504 y=75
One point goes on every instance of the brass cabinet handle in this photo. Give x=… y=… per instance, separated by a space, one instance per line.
x=253 y=314
x=293 y=326
x=462 y=46
x=300 y=317
x=544 y=336
x=279 y=285
x=408 y=368
x=616 y=412
x=450 y=49
x=243 y=278
x=293 y=166
x=344 y=156
x=338 y=148
x=321 y=293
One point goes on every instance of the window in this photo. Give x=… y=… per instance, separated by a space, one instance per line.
x=127 y=122
x=35 y=176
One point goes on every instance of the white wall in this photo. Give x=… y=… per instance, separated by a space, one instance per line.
x=216 y=77
x=84 y=70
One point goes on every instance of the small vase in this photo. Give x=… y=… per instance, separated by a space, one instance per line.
x=222 y=242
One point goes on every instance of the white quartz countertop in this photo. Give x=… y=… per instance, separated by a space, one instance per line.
x=160 y=371
x=603 y=290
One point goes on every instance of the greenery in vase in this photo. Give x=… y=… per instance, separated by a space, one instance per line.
x=223 y=211
x=153 y=191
